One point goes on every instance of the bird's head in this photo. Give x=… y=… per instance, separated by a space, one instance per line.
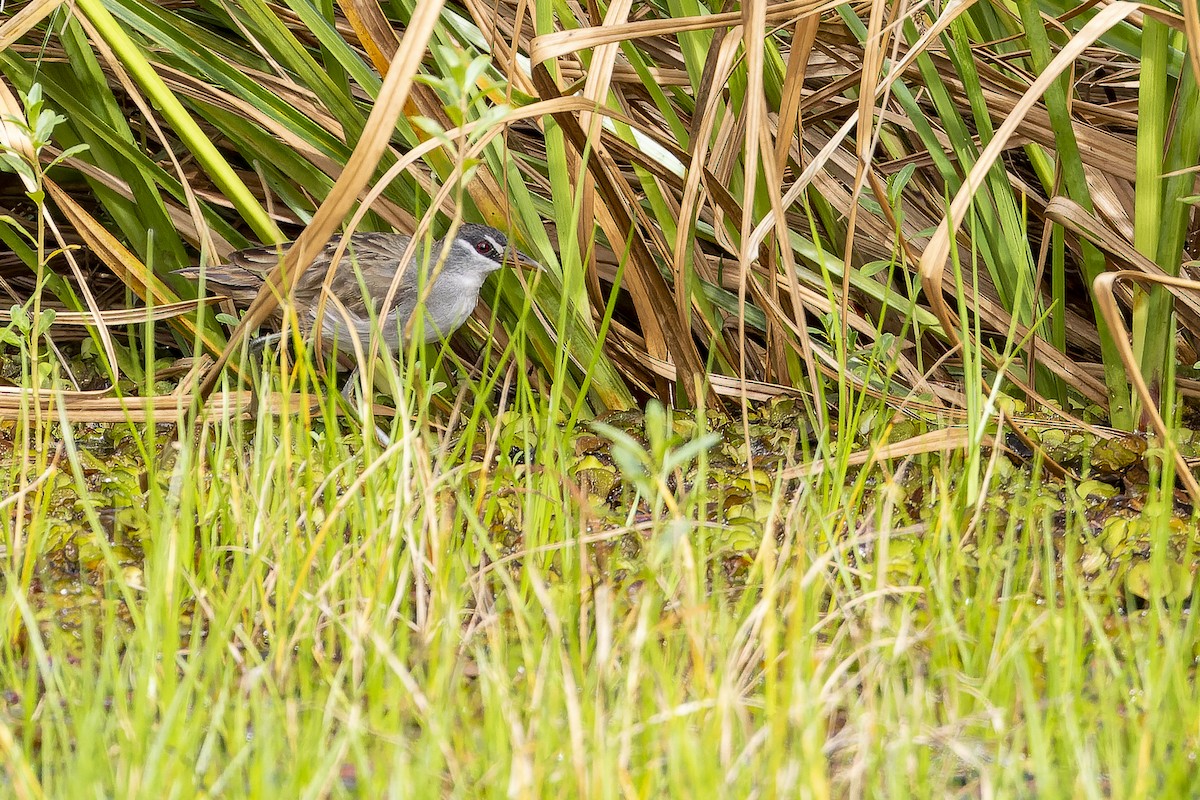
x=483 y=249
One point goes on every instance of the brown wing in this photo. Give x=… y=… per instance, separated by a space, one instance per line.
x=243 y=276
x=376 y=256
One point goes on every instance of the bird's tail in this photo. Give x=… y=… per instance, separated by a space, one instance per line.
x=237 y=283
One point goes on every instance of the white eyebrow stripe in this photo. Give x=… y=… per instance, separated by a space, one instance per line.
x=495 y=244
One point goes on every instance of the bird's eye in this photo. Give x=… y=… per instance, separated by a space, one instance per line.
x=484 y=246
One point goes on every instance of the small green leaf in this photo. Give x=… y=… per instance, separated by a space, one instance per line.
x=68 y=153
x=45 y=319
x=898 y=181
x=429 y=126
x=474 y=70
x=11 y=162
x=8 y=335
x=20 y=318
x=689 y=452
x=43 y=130
x=874 y=268
x=33 y=99
x=632 y=459
x=870 y=204
x=12 y=223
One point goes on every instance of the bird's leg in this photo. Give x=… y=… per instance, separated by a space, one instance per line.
x=349 y=386
x=350 y=395
x=254 y=353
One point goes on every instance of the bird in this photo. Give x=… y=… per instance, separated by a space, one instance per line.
x=475 y=252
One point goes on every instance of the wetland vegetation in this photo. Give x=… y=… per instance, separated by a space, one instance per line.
x=842 y=449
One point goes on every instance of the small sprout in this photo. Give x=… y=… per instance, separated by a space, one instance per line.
x=897 y=182
x=38 y=127
x=462 y=86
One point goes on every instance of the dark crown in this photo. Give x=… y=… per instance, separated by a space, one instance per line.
x=474 y=234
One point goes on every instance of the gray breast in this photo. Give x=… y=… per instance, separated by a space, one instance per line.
x=448 y=304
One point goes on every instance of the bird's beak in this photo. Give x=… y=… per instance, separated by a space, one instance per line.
x=523 y=259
